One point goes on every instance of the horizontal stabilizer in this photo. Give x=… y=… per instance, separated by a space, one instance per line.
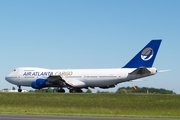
x=141 y=71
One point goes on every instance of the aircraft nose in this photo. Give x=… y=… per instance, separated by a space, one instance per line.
x=7 y=78
x=11 y=77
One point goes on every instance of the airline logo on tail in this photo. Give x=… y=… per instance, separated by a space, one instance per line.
x=147 y=54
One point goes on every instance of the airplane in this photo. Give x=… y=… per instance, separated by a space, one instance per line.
x=76 y=79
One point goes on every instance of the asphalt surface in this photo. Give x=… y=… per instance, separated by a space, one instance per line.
x=39 y=117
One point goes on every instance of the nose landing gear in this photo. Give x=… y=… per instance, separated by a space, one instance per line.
x=19 y=89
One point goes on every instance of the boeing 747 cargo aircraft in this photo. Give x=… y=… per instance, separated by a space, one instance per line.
x=76 y=79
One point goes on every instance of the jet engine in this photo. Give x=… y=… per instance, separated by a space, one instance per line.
x=39 y=83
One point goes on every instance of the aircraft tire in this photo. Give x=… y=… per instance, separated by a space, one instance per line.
x=19 y=90
x=72 y=90
x=79 y=91
x=61 y=91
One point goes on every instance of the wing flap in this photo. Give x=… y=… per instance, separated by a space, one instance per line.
x=75 y=83
x=54 y=78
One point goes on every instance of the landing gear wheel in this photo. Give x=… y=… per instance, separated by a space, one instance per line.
x=79 y=91
x=75 y=90
x=19 y=90
x=72 y=90
x=61 y=90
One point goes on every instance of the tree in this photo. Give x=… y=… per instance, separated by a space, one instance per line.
x=98 y=91
x=88 y=91
x=49 y=90
x=144 y=90
x=13 y=88
x=31 y=91
x=122 y=91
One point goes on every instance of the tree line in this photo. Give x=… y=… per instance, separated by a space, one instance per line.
x=147 y=90
x=121 y=90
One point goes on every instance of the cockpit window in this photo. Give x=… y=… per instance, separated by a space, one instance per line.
x=14 y=69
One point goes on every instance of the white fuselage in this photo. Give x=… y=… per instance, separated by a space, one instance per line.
x=89 y=77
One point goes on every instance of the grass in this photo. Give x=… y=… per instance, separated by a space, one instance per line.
x=117 y=105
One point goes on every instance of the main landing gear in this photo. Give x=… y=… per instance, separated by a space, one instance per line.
x=60 y=90
x=19 y=89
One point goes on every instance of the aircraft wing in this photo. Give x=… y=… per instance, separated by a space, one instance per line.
x=54 y=78
x=58 y=80
x=75 y=82
x=140 y=71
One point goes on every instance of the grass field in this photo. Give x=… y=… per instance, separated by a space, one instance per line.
x=131 y=105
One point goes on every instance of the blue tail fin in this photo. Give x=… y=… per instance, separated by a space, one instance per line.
x=146 y=56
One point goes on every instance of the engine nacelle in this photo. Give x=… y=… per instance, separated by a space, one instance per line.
x=39 y=83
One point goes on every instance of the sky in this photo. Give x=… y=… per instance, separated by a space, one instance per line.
x=70 y=34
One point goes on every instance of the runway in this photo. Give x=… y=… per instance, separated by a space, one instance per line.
x=40 y=117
